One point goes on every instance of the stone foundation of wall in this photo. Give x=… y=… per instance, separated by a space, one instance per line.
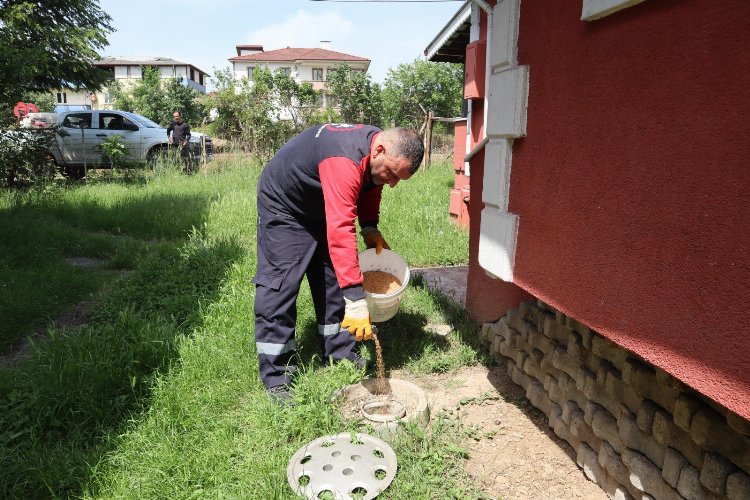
x=637 y=431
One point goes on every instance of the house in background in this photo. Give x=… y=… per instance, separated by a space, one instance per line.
x=127 y=72
x=605 y=168
x=303 y=64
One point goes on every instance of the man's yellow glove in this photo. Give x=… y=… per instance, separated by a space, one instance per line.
x=373 y=239
x=357 y=319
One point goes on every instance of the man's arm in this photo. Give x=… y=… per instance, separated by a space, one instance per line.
x=187 y=133
x=169 y=131
x=341 y=180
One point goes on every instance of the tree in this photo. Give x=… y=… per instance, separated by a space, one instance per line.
x=50 y=44
x=259 y=116
x=438 y=87
x=156 y=100
x=358 y=98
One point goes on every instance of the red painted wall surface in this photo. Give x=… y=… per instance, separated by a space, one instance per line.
x=632 y=184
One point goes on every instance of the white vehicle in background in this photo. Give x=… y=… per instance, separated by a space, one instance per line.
x=83 y=132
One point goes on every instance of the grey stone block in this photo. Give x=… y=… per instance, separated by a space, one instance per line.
x=604 y=426
x=645 y=415
x=569 y=408
x=685 y=408
x=584 y=331
x=667 y=433
x=635 y=439
x=582 y=431
x=646 y=476
x=611 y=461
x=556 y=330
x=674 y=462
x=689 y=485
x=738 y=424
x=709 y=430
x=738 y=486
x=714 y=473
x=606 y=349
x=616 y=387
x=538 y=397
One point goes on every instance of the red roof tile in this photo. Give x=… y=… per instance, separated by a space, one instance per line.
x=290 y=54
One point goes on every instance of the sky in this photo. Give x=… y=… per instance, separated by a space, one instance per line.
x=204 y=33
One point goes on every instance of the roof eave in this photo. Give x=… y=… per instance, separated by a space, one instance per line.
x=449 y=44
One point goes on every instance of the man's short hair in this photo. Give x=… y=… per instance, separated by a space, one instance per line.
x=405 y=143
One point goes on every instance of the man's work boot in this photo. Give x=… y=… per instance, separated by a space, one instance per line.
x=281 y=395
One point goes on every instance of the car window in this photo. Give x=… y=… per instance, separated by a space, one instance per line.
x=110 y=121
x=143 y=120
x=77 y=120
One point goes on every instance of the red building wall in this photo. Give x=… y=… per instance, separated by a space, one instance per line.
x=632 y=183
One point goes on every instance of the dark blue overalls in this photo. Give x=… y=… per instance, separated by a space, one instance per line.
x=292 y=244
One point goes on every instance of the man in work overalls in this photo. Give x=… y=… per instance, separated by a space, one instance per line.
x=309 y=196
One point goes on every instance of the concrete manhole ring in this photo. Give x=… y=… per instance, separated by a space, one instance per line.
x=343 y=465
x=405 y=402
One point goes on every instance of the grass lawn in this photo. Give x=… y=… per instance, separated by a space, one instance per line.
x=158 y=395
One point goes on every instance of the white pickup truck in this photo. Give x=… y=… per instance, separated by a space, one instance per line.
x=85 y=131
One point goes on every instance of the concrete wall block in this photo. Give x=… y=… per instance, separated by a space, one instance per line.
x=515 y=320
x=604 y=426
x=667 y=433
x=582 y=430
x=587 y=460
x=597 y=393
x=646 y=476
x=645 y=415
x=611 y=461
x=635 y=439
x=618 y=389
x=484 y=332
x=536 y=394
x=685 y=408
x=556 y=330
x=715 y=472
x=531 y=312
x=568 y=409
x=689 y=485
x=645 y=382
x=518 y=377
x=738 y=486
x=583 y=330
x=709 y=430
x=674 y=462
x=520 y=357
x=605 y=348
x=537 y=340
x=663 y=428
x=561 y=429
x=738 y=424
x=631 y=367
x=532 y=368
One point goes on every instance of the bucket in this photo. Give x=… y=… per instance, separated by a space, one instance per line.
x=384 y=306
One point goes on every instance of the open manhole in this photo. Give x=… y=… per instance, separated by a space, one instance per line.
x=403 y=402
x=343 y=466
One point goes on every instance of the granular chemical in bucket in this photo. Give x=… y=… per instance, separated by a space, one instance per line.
x=380 y=282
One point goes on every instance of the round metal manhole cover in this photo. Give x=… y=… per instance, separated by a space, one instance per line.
x=347 y=465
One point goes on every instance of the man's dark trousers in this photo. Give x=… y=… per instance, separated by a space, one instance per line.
x=287 y=251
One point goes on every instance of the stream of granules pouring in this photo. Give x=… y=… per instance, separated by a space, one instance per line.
x=380 y=387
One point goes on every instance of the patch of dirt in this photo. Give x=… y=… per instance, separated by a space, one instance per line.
x=83 y=262
x=513 y=454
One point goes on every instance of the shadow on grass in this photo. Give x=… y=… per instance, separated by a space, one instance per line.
x=81 y=385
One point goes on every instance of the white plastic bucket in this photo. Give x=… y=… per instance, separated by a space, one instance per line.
x=383 y=306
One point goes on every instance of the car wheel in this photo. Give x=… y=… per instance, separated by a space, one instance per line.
x=158 y=154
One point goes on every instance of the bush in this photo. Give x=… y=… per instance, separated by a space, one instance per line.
x=25 y=157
